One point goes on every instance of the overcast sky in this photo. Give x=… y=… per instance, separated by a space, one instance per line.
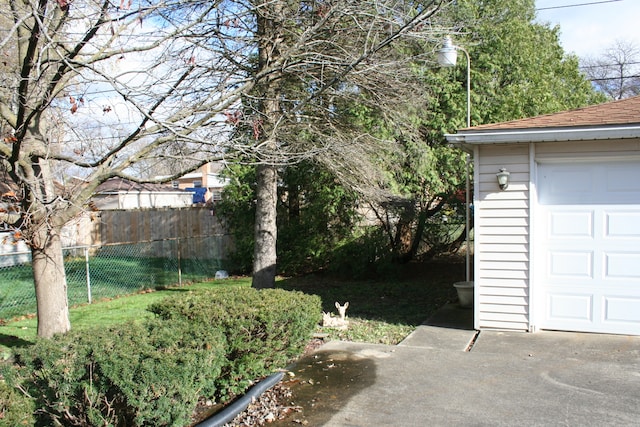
x=588 y=29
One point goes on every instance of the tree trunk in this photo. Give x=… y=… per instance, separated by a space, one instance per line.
x=410 y=250
x=270 y=35
x=50 y=284
x=266 y=231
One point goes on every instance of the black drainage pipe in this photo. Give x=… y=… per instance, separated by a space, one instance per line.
x=231 y=411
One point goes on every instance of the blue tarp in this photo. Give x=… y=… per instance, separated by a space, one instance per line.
x=198 y=194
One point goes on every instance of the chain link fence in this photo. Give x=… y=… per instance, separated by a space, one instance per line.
x=97 y=272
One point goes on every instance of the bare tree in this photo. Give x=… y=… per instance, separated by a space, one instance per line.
x=97 y=89
x=100 y=89
x=321 y=59
x=616 y=71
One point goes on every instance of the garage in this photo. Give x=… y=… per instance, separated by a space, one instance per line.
x=557 y=246
x=589 y=246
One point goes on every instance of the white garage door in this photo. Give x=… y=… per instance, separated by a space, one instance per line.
x=588 y=247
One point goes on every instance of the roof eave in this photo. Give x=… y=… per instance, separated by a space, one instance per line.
x=543 y=135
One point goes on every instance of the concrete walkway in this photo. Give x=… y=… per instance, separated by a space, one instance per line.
x=508 y=378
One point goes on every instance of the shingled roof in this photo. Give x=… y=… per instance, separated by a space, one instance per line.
x=623 y=112
x=119 y=185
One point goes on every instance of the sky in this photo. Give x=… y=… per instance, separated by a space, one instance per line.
x=589 y=29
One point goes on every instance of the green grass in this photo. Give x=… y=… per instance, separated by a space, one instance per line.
x=384 y=310
x=111 y=276
x=106 y=312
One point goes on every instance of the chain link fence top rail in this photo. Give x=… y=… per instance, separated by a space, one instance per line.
x=100 y=272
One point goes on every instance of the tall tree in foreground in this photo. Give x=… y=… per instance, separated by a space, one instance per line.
x=96 y=90
x=315 y=60
x=316 y=213
x=99 y=89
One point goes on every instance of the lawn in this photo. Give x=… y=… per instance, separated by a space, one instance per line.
x=110 y=276
x=22 y=331
x=381 y=310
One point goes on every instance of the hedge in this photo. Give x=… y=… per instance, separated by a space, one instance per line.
x=204 y=344
x=264 y=329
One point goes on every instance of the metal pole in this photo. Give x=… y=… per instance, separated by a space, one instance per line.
x=467 y=184
x=467 y=223
x=446 y=59
x=86 y=263
x=179 y=261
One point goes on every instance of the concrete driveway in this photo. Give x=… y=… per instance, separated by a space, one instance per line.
x=507 y=378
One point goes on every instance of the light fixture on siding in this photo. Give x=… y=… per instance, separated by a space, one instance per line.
x=503 y=178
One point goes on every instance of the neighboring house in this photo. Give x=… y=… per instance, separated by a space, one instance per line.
x=206 y=177
x=559 y=248
x=119 y=193
x=13 y=251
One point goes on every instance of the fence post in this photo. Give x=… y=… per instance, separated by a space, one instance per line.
x=179 y=262
x=86 y=263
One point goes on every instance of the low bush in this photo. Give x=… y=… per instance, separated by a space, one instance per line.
x=264 y=329
x=152 y=373
x=149 y=373
x=16 y=409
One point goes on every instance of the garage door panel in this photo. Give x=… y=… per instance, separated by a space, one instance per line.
x=622 y=266
x=588 y=247
x=622 y=177
x=624 y=225
x=574 y=224
x=561 y=182
x=568 y=264
x=622 y=309
x=572 y=307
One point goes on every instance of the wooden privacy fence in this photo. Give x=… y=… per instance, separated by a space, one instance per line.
x=133 y=226
x=188 y=228
x=110 y=227
x=192 y=224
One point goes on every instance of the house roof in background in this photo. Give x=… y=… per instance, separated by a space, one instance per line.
x=119 y=185
x=622 y=112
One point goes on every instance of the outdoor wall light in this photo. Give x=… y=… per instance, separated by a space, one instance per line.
x=503 y=178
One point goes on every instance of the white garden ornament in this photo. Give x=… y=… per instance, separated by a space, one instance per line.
x=340 y=322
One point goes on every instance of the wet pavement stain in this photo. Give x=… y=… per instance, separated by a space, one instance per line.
x=323 y=383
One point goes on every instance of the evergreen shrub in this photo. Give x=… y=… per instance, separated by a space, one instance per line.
x=264 y=329
x=204 y=344
x=137 y=374
x=16 y=409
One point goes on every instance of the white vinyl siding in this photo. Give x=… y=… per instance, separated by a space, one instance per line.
x=501 y=273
